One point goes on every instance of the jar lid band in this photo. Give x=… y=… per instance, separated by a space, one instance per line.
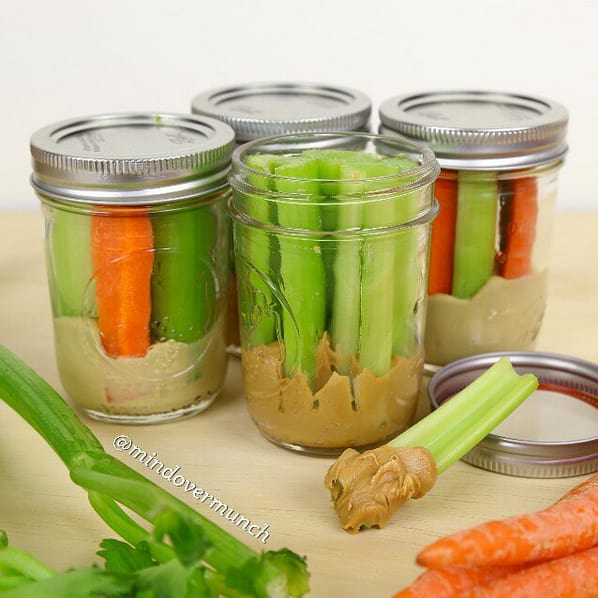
x=480 y=129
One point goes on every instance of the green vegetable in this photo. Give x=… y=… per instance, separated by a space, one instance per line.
x=182 y=284
x=461 y=422
x=258 y=310
x=70 y=264
x=477 y=206
x=346 y=302
x=301 y=265
x=185 y=555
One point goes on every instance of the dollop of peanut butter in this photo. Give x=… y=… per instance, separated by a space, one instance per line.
x=368 y=488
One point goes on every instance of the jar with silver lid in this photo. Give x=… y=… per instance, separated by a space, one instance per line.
x=500 y=154
x=137 y=258
x=258 y=110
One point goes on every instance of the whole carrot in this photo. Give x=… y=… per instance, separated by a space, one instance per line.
x=451 y=582
x=121 y=242
x=573 y=576
x=442 y=245
x=521 y=229
x=568 y=526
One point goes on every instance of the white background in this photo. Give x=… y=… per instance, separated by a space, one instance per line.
x=64 y=58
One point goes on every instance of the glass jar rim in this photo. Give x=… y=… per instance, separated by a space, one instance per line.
x=425 y=173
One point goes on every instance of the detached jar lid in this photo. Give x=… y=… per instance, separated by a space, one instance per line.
x=553 y=434
x=256 y=110
x=480 y=129
x=130 y=159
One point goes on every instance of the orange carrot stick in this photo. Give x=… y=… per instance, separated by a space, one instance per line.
x=451 y=582
x=521 y=230
x=442 y=248
x=568 y=526
x=573 y=576
x=123 y=266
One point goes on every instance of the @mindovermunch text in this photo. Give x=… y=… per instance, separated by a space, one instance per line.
x=124 y=444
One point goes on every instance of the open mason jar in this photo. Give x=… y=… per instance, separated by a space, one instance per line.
x=500 y=155
x=136 y=248
x=331 y=256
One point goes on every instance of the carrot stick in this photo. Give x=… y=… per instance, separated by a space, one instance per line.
x=568 y=526
x=442 y=249
x=573 y=576
x=123 y=267
x=521 y=229
x=451 y=582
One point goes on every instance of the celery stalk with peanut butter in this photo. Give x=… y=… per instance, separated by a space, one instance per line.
x=368 y=488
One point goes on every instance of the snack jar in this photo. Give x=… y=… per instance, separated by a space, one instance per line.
x=331 y=255
x=137 y=259
x=500 y=155
x=262 y=109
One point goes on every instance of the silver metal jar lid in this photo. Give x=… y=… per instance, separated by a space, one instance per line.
x=131 y=159
x=480 y=129
x=256 y=110
x=553 y=434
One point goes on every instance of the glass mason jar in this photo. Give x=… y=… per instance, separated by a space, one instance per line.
x=500 y=155
x=257 y=110
x=137 y=260
x=331 y=255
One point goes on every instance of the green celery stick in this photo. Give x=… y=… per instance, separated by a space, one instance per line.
x=465 y=419
x=302 y=272
x=344 y=326
x=477 y=205
x=183 y=286
x=256 y=250
x=69 y=261
x=408 y=266
x=377 y=274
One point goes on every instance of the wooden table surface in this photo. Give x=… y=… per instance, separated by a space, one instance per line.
x=221 y=451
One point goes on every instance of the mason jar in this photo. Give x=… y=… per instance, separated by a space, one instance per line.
x=500 y=155
x=331 y=256
x=137 y=258
x=257 y=110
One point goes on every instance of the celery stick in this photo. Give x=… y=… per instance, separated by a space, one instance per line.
x=465 y=419
x=407 y=263
x=344 y=326
x=302 y=273
x=377 y=274
x=408 y=273
x=475 y=232
x=258 y=249
x=183 y=286
x=342 y=173
x=69 y=261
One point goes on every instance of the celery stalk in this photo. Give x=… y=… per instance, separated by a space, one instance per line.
x=258 y=250
x=183 y=287
x=344 y=326
x=464 y=420
x=477 y=205
x=302 y=273
x=69 y=262
x=407 y=264
x=109 y=481
x=377 y=274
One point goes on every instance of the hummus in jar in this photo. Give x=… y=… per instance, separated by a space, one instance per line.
x=504 y=315
x=171 y=377
x=342 y=411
